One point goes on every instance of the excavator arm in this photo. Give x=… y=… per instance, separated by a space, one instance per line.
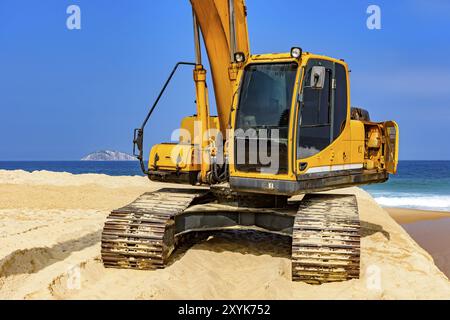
x=223 y=25
x=223 y=35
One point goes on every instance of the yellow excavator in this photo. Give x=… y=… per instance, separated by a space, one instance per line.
x=285 y=132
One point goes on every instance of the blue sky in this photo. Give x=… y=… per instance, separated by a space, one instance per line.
x=66 y=93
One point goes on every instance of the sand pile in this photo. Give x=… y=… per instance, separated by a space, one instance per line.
x=64 y=179
x=50 y=226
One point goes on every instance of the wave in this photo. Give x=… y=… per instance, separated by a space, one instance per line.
x=441 y=203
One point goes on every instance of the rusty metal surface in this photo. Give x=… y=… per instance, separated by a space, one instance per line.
x=141 y=234
x=326 y=239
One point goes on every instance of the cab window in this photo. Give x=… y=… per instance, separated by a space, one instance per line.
x=322 y=111
x=340 y=101
x=315 y=114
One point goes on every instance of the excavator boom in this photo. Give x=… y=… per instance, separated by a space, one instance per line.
x=223 y=35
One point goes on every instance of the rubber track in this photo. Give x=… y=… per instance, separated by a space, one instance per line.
x=326 y=239
x=141 y=234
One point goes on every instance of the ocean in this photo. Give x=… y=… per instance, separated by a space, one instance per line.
x=111 y=168
x=418 y=184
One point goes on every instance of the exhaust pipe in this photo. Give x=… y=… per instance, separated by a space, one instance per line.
x=231 y=15
x=198 y=51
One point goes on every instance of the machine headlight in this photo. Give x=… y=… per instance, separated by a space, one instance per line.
x=296 y=52
x=239 y=57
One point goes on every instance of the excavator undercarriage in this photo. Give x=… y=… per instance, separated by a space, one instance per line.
x=324 y=228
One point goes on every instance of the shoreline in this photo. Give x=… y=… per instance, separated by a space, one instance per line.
x=409 y=215
x=430 y=229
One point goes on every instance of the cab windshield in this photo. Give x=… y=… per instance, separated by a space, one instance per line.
x=261 y=138
x=266 y=96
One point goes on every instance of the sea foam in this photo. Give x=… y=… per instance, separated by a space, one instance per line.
x=441 y=203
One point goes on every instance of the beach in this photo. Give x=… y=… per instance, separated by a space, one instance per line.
x=406 y=216
x=50 y=227
x=430 y=229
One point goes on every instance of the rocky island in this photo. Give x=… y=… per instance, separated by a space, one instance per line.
x=108 y=155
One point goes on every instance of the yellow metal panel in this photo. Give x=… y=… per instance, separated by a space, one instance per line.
x=392 y=135
x=187 y=135
x=357 y=141
x=173 y=157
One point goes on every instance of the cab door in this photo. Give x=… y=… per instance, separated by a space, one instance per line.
x=391 y=137
x=322 y=118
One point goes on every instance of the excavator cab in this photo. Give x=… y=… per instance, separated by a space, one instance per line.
x=294 y=132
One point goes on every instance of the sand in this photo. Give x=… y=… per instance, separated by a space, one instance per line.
x=50 y=226
x=430 y=229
